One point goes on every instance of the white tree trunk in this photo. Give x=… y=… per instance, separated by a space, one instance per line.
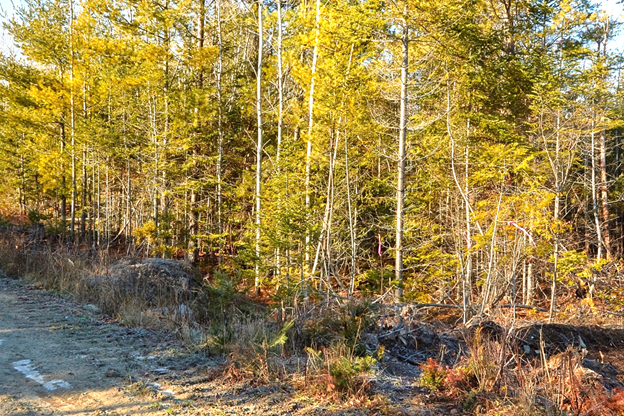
x=309 y=144
x=401 y=164
x=259 y=143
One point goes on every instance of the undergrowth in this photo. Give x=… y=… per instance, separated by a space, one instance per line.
x=319 y=348
x=491 y=379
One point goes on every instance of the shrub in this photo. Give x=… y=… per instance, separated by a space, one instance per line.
x=336 y=369
x=345 y=323
x=347 y=372
x=433 y=375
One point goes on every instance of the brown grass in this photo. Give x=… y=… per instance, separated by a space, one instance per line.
x=318 y=350
x=491 y=379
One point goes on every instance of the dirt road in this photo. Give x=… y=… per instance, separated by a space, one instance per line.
x=58 y=357
x=61 y=358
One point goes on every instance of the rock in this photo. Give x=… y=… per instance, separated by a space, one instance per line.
x=92 y=308
x=112 y=372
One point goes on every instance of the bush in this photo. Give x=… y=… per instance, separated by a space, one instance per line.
x=433 y=375
x=35 y=217
x=336 y=369
x=345 y=323
x=347 y=372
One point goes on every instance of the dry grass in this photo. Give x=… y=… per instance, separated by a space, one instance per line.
x=492 y=379
x=319 y=350
x=84 y=274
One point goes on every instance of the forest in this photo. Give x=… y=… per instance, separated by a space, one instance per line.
x=459 y=152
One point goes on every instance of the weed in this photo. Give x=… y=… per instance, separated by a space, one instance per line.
x=433 y=375
x=337 y=370
x=139 y=388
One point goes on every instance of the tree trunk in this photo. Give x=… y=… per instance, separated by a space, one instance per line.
x=220 y=132
x=558 y=190
x=280 y=116
x=193 y=247
x=72 y=119
x=604 y=195
x=351 y=220
x=401 y=164
x=259 y=142
x=310 y=135
x=600 y=242
x=63 y=181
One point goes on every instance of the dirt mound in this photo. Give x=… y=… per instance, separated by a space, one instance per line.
x=152 y=283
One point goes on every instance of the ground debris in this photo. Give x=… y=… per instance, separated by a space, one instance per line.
x=553 y=338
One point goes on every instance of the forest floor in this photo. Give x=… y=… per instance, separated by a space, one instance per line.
x=58 y=357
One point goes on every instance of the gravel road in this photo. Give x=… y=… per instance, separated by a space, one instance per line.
x=61 y=358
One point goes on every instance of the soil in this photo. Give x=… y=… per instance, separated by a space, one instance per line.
x=58 y=357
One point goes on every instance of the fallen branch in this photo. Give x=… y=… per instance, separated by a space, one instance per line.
x=435 y=305
x=537 y=308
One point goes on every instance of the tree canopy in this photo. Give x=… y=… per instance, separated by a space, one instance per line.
x=463 y=151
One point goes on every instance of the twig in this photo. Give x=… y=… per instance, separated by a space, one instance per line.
x=537 y=308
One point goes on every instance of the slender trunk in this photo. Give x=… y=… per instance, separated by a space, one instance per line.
x=600 y=242
x=72 y=119
x=94 y=197
x=280 y=116
x=401 y=163
x=220 y=131
x=22 y=188
x=259 y=143
x=280 y=83
x=107 y=207
x=310 y=128
x=604 y=195
x=467 y=266
x=63 y=181
x=325 y=230
x=553 y=293
x=487 y=287
x=83 y=203
x=193 y=247
x=529 y=280
x=467 y=295
x=351 y=220
x=128 y=185
x=164 y=200
x=155 y=188
x=556 y=171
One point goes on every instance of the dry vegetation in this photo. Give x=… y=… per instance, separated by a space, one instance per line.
x=341 y=352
